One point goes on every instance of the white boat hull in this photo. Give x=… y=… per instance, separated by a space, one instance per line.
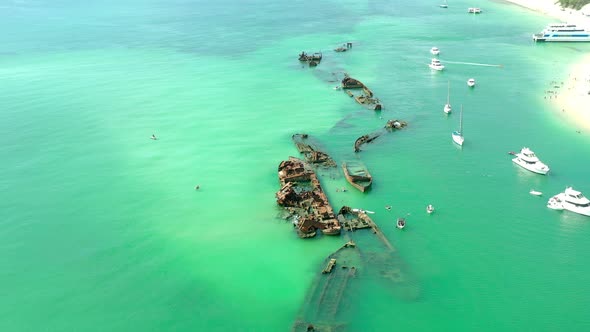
x=439 y=68
x=458 y=138
x=447 y=109
x=558 y=202
x=542 y=38
x=535 y=168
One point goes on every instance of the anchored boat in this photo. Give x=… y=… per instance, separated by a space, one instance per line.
x=571 y=200
x=528 y=160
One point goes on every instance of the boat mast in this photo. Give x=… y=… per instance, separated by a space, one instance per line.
x=461 y=121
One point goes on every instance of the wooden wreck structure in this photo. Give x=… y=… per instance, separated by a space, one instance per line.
x=302 y=195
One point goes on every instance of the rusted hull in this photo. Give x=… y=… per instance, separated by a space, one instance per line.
x=302 y=195
x=361 y=182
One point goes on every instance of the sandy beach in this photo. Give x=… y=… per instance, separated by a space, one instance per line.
x=569 y=94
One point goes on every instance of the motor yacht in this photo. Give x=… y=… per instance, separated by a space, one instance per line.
x=571 y=200
x=436 y=65
x=527 y=159
x=471 y=82
x=473 y=10
x=435 y=51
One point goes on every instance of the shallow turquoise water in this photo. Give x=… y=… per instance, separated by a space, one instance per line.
x=102 y=229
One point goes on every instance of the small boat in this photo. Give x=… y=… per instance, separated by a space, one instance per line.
x=447 y=109
x=153 y=137
x=571 y=200
x=436 y=65
x=430 y=208
x=528 y=160
x=357 y=175
x=435 y=51
x=457 y=135
x=444 y=4
x=401 y=223
x=474 y=10
x=471 y=82
x=535 y=193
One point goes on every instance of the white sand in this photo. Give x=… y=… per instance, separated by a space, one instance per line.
x=550 y=8
x=572 y=98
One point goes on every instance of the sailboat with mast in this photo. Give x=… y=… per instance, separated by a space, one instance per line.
x=447 y=108
x=458 y=134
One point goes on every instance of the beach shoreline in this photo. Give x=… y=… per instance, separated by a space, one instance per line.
x=573 y=93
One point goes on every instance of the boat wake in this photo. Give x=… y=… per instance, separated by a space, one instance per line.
x=474 y=64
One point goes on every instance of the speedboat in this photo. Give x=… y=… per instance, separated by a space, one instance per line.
x=435 y=51
x=571 y=200
x=535 y=193
x=527 y=159
x=563 y=32
x=471 y=82
x=430 y=208
x=474 y=10
x=436 y=65
x=401 y=223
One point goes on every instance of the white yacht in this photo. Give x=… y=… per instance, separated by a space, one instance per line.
x=527 y=159
x=473 y=10
x=471 y=82
x=436 y=65
x=563 y=32
x=435 y=51
x=447 y=109
x=571 y=200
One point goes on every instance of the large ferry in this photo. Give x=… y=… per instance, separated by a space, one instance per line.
x=563 y=32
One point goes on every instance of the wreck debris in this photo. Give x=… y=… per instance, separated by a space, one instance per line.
x=389 y=126
x=328 y=293
x=351 y=83
x=312 y=153
x=365 y=139
x=344 y=47
x=312 y=59
x=330 y=266
x=365 y=98
x=302 y=194
x=395 y=124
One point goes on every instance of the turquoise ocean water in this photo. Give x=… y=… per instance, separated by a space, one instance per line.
x=101 y=228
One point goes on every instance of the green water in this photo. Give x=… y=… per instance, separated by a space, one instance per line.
x=101 y=228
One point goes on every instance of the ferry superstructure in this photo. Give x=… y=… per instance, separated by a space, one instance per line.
x=565 y=32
